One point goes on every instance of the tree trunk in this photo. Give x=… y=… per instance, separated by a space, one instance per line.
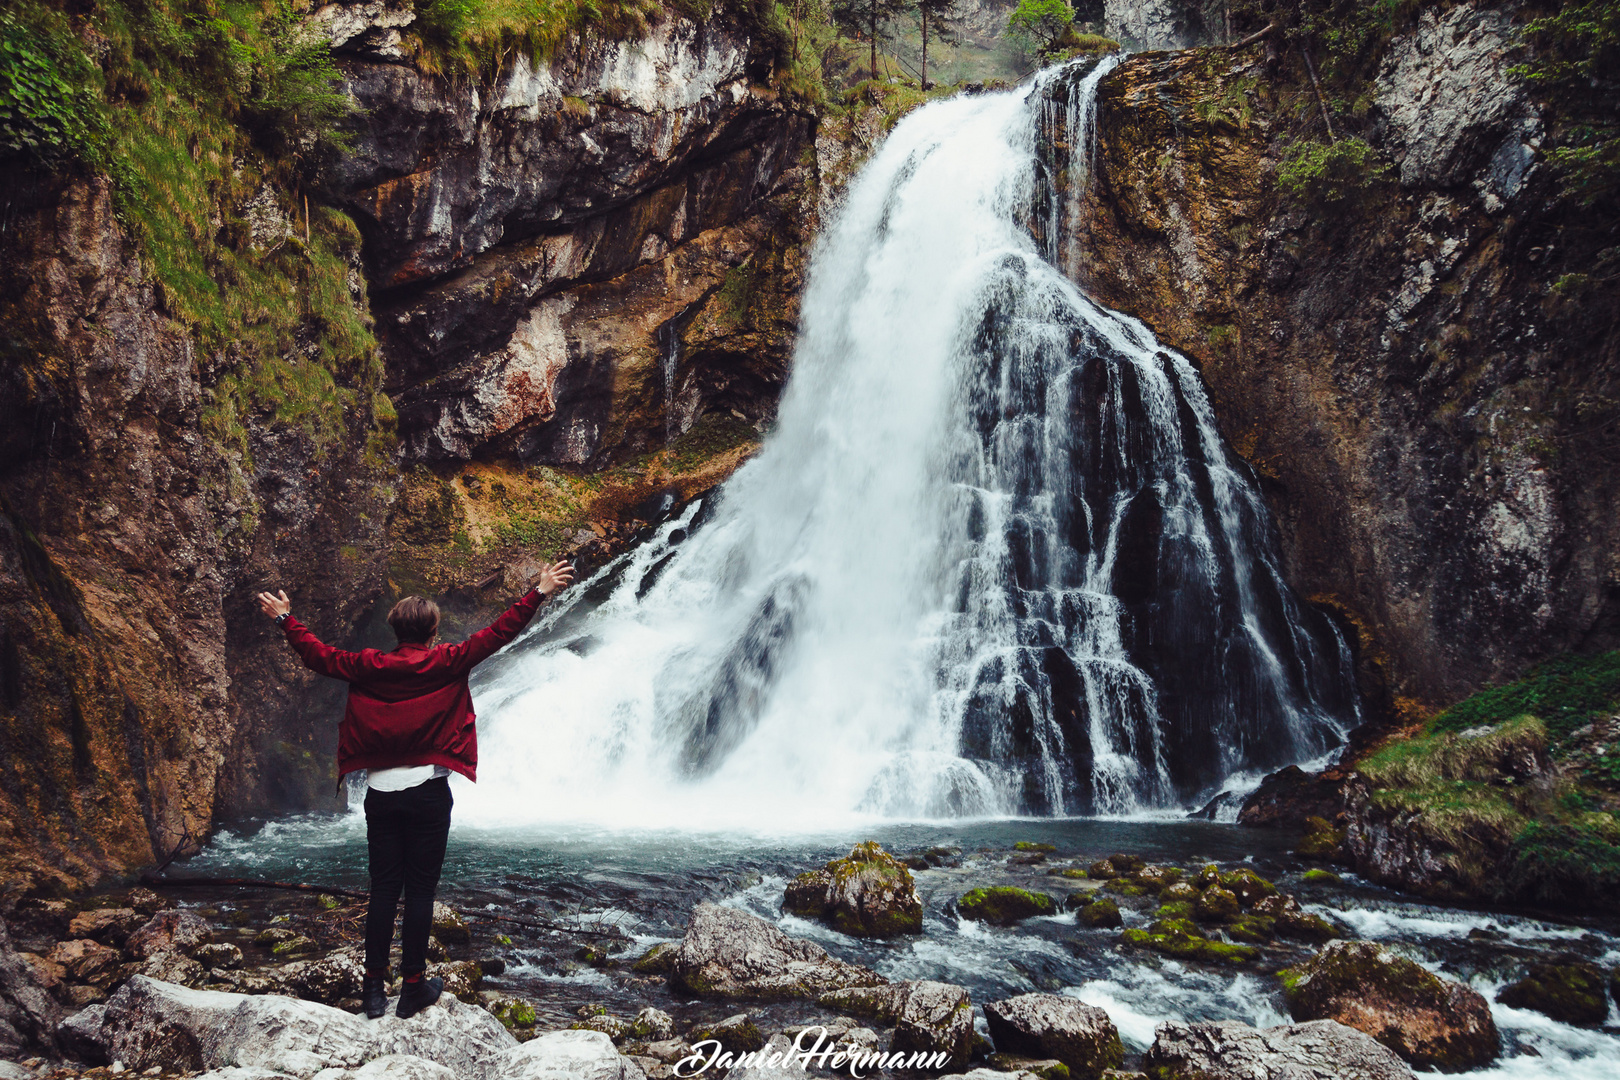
x=925 y=48
x=874 y=38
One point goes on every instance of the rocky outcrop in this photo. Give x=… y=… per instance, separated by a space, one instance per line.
x=149 y=1023
x=1157 y=24
x=138 y=513
x=868 y=894
x=1003 y=905
x=1414 y=376
x=1433 y=1023
x=546 y=247
x=1051 y=1026
x=29 y=1014
x=1232 y=1050
x=731 y=954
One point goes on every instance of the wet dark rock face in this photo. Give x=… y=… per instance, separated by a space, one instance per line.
x=1430 y=418
x=547 y=249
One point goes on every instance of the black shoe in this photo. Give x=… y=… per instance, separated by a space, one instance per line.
x=374 y=997
x=417 y=996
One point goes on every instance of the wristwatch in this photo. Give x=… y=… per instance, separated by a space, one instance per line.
x=281 y=620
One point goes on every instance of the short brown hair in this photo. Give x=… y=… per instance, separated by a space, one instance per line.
x=414 y=620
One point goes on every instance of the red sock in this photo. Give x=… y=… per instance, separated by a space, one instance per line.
x=380 y=976
x=414 y=978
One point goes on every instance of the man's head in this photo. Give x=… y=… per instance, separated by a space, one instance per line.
x=414 y=620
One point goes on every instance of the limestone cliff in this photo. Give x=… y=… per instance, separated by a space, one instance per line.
x=1422 y=371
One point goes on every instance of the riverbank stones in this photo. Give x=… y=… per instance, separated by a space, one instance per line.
x=1232 y=1050
x=1052 y=1026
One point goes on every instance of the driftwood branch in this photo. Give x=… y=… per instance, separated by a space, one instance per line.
x=1258 y=35
x=158 y=882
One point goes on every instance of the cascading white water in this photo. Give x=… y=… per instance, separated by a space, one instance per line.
x=994 y=558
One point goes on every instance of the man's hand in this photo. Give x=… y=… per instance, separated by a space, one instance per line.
x=275 y=606
x=554 y=577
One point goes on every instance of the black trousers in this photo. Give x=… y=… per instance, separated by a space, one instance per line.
x=406 y=833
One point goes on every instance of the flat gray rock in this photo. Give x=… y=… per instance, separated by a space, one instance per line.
x=151 y=1023
x=1053 y=1026
x=1230 y=1050
x=728 y=953
x=565 y=1055
x=787 y=1068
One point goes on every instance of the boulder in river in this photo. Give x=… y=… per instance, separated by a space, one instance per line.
x=1004 y=905
x=731 y=954
x=449 y=926
x=1052 y=1026
x=1433 y=1023
x=1101 y=913
x=933 y=1017
x=1232 y=1050
x=149 y=1023
x=868 y=894
x=1571 y=993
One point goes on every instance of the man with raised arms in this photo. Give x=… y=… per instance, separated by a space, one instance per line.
x=409 y=723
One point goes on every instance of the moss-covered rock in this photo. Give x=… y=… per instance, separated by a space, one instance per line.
x=1125 y=886
x=869 y=893
x=1181 y=939
x=1103 y=870
x=1127 y=864
x=1180 y=891
x=738 y=1034
x=1571 y=993
x=1074 y=873
x=1217 y=905
x=1429 y=1021
x=1254 y=929
x=1321 y=840
x=1157 y=878
x=1031 y=846
x=1304 y=926
x=512 y=1012
x=657 y=960
x=1101 y=912
x=1004 y=905
x=1249 y=887
x=1318 y=876
x=1180 y=909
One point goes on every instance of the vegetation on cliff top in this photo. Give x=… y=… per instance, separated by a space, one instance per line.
x=1520 y=783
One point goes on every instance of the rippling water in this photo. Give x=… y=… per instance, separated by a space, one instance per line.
x=647 y=880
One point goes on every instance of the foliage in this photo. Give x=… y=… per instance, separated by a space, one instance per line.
x=1576 y=49
x=868 y=20
x=1330 y=174
x=1565 y=694
x=51 y=110
x=484 y=37
x=1040 y=23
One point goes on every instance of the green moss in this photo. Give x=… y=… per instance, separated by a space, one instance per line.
x=1028 y=845
x=1330 y=175
x=1073 y=873
x=1126 y=887
x=658 y=960
x=1004 y=904
x=1254 y=929
x=1320 y=877
x=1101 y=912
x=1564 y=694
x=1180 y=909
x=1570 y=993
x=1182 y=942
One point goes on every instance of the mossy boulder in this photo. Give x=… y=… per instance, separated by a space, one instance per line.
x=448 y=925
x=1031 y=846
x=1180 y=891
x=1249 y=887
x=1074 y=873
x=658 y=960
x=1127 y=864
x=1180 y=909
x=1217 y=905
x=1181 y=939
x=738 y=1034
x=1304 y=926
x=1004 y=905
x=1157 y=878
x=1127 y=887
x=1321 y=840
x=870 y=893
x=1319 y=876
x=1103 y=870
x=1571 y=993
x=1431 y=1022
x=1101 y=912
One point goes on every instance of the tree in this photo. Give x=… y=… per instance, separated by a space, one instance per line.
x=942 y=13
x=1040 y=23
x=857 y=16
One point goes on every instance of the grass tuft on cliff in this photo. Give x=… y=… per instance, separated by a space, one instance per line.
x=1507 y=783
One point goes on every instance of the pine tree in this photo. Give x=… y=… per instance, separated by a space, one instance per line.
x=867 y=16
x=941 y=13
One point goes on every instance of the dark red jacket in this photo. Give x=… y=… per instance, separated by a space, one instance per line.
x=410 y=706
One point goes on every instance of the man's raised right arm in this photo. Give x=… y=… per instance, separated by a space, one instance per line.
x=318 y=656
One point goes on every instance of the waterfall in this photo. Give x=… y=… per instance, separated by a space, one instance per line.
x=995 y=558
